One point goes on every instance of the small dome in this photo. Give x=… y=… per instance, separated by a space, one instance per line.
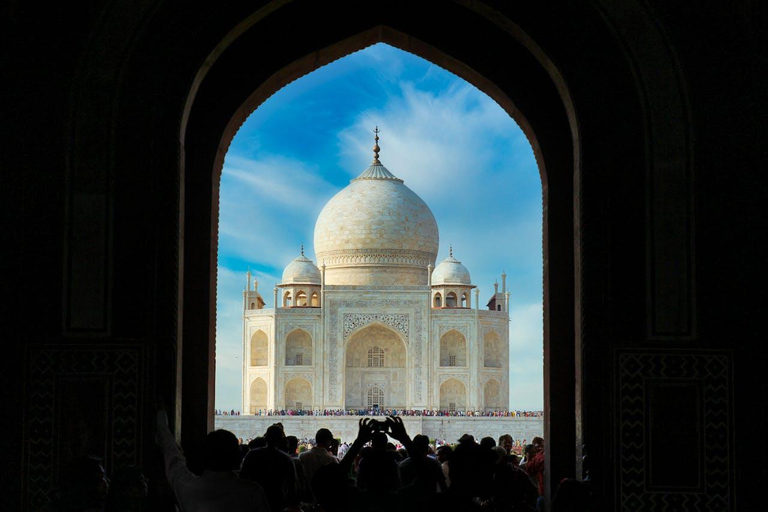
x=301 y=270
x=451 y=271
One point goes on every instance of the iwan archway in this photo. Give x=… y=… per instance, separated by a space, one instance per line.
x=283 y=41
x=231 y=101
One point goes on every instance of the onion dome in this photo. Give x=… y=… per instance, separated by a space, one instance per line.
x=376 y=231
x=301 y=271
x=450 y=271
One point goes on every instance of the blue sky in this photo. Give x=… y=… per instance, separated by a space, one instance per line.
x=449 y=142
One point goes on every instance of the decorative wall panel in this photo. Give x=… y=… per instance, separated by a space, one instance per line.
x=666 y=400
x=80 y=401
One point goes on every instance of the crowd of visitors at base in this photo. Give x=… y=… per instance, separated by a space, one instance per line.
x=268 y=474
x=371 y=474
x=387 y=412
x=219 y=412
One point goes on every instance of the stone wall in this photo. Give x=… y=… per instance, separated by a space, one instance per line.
x=345 y=427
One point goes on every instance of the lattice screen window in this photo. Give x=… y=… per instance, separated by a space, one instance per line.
x=375 y=397
x=452 y=406
x=451 y=360
x=375 y=357
x=299 y=359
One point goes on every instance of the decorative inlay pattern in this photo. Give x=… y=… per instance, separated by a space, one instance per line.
x=286 y=329
x=712 y=370
x=463 y=329
x=462 y=377
x=122 y=367
x=377 y=256
x=336 y=335
x=308 y=376
x=410 y=287
x=352 y=321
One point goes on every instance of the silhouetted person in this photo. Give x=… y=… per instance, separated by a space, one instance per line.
x=513 y=490
x=127 y=490
x=421 y=470
x=443 y=457
x=331 y=486
x=378 y=467
x=217 y=487
x=506 y=442
x=273 y=469
x=319 y=455
x=535 y=467
x=302 y=485
x=488 y=443
x=257 y=442
x=572 y=496
x=83 y=486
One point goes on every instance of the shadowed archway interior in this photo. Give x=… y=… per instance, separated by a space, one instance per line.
x=122 y=116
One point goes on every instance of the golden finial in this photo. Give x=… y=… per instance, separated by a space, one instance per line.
x=376 y=147
x=450 y=251
x=302 y=249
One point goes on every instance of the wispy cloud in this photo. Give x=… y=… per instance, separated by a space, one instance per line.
x=453 y=146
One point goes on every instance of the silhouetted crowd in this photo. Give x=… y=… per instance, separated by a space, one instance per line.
x=372 y=474
x=387 y=412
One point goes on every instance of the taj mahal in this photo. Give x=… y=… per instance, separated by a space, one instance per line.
x=374 y=323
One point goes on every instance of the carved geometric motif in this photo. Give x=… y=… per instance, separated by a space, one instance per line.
x=710 y=371
x=352 y=321
x=119 y=369
x=463 y=329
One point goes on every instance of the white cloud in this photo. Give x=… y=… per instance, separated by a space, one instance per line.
x=269 y=208
x=459 y=151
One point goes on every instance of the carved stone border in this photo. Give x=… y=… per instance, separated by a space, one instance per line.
x=712 y=370
x=122 y=365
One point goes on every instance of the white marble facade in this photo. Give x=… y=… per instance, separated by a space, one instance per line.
x=376 y=324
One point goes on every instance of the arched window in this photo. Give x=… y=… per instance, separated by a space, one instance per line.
x=438 y=300
x=315 y=300
x=375 y=398
x=375 y=357
x=498 y=307
x=453 y=349
x=450 y=300
x=253 y=305
x=287 y=301
x=301 y=299
x=464 y=300
x=298 y=348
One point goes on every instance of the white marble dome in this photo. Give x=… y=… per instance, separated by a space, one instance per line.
x=450 y=271
x=376 y=231
x=301 y=270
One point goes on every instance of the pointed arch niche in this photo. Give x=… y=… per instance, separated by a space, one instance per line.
x=258 y=395
x=259 y=349
x=537 y=99
x=298 y=348
x=375 y=356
